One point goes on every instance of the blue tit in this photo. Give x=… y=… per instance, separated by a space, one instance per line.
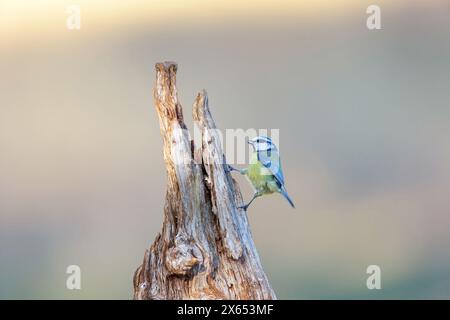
x=264 y=171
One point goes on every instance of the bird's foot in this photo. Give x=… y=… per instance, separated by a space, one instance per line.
x=245 y=207
x=229 y=168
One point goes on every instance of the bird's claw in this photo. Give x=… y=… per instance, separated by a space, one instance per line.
x=229 y=168
x=243 y=207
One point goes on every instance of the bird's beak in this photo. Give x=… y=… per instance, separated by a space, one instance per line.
x=250 y=142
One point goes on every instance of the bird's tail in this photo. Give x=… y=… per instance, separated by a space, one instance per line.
x=285 y=194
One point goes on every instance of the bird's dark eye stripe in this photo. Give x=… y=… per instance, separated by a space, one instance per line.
x=266 y=140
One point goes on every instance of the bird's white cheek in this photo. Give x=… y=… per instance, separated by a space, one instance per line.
x=262 y=146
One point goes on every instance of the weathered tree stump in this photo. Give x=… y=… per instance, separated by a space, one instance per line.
x=205 y=249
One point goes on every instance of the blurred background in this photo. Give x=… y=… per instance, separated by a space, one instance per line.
x=364 y=136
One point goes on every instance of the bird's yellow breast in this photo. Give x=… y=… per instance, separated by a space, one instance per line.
x=260 y=177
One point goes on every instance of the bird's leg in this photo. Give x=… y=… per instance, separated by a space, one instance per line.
x=255 y=195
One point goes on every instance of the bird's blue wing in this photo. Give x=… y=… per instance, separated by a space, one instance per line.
x=271 y=160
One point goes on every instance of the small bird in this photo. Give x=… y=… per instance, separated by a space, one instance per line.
x=264 y=171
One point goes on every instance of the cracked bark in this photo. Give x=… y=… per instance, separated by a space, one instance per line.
x=205 y=249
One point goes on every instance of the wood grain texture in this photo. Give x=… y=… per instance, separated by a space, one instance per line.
x=205 y=249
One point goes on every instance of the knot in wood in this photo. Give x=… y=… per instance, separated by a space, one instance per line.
x=183 y=258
